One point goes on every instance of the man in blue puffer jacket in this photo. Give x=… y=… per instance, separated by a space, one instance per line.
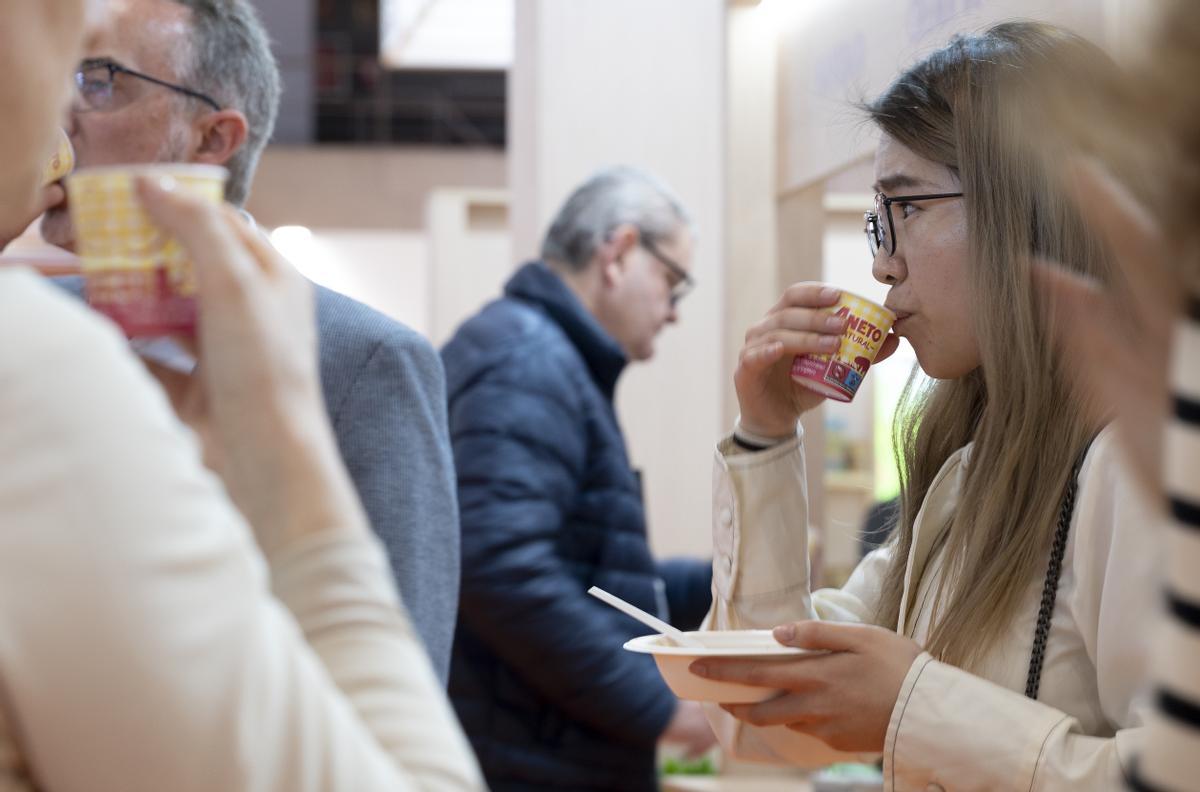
x=550 y=505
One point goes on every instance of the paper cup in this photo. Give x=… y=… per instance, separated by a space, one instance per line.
x=137 y=275
x=839 y=375
x=61 y=162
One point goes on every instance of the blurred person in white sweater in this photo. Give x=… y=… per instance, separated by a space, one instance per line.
x=163 y=628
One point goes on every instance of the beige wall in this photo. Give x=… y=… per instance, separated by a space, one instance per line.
x=470 y=255
x=387 y=270
x=375 y=187
x=373 y=239
x=751 y=248
x=381 y=232
x=641 y=83
x=830 y=59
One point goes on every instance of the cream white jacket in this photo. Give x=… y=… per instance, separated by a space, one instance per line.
x=145 y=641
x=951 y=729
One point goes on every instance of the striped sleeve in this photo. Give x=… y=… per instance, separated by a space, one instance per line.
x=1171 y=759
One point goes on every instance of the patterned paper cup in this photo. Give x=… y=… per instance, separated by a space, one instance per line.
x=137 y=275
x=839 y=375
x=61 y=163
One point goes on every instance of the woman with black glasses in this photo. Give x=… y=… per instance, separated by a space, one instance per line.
x=996 y=642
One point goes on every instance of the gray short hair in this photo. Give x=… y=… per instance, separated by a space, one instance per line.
x=231 y=61
x=612 y=198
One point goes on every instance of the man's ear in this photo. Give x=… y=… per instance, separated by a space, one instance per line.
x=220 y=136
x=624 y=238
x=621 y=240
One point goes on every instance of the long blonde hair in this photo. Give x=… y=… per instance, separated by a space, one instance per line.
x=956 y=107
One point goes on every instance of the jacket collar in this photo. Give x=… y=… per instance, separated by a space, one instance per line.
x=537 y=284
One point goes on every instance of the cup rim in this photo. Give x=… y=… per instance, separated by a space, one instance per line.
x=848 y=293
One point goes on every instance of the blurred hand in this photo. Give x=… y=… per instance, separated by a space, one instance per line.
x=257 y=353
x=1117 y=345
x=844 y=698
x=689 y=729
x=49 y=197
x=769 y=400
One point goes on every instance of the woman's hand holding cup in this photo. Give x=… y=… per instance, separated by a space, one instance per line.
x=801 y=323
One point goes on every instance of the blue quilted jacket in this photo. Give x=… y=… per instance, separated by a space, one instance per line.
x=550 y=506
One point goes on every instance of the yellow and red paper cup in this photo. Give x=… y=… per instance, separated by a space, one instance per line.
x=137 y=275
x=61 y=162
x=839 y=375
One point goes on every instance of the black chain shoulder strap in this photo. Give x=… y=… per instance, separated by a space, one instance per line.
x=1050 y=589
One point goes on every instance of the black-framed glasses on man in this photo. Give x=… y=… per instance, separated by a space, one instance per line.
x=681 y=282
x=881 y=236
x=96 y=86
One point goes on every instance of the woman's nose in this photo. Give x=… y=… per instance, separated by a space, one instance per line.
x=888 y=269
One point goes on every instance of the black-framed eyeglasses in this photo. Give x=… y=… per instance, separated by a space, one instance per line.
x=681 y=282
x=879 y=236
x=96 y=89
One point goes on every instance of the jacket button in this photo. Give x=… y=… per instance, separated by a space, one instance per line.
x=726 y=517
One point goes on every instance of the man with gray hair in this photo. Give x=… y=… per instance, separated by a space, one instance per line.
x=550 y=505
x=195 y=81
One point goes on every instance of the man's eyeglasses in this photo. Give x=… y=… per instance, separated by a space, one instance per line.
x=96 y=86
x=681 y=282
x=881 y=236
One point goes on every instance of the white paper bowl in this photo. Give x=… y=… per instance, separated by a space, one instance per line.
x=673 y=662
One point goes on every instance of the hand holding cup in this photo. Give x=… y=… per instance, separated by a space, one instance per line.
x=802 y=323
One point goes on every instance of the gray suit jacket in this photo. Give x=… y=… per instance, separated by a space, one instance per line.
x=385 y=391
